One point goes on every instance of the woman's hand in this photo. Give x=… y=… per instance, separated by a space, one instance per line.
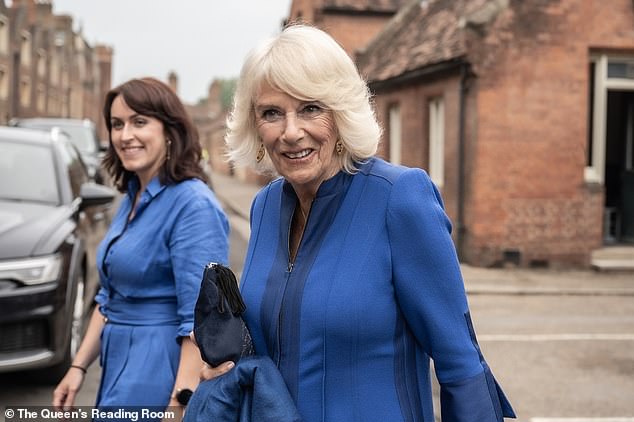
x=207 y=372
x=65 y=392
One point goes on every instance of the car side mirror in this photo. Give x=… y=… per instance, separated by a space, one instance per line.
x=93 y=194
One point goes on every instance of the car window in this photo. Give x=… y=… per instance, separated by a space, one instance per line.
x=74 y=166
x=27 y=173
x=83 y=137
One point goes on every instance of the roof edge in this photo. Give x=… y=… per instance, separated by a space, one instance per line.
x=334 y=10
x=419 y=73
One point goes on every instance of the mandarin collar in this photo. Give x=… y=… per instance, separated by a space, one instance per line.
x=334 y=185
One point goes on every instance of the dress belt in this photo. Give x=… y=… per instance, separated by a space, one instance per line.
x=140 y=312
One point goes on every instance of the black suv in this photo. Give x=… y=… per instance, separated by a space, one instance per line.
x=83 y=135
x=51 y=220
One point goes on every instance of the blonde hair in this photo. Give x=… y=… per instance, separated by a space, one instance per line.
x=306 y=63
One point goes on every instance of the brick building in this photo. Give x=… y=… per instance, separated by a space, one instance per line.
x=353 y=23
x=209 y=116
x=47 y=68
x=523 y=114
x=5 y=63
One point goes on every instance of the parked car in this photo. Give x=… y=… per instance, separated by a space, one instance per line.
x=82 y=133
x=51 y=219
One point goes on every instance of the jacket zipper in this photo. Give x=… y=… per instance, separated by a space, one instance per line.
x=289 y=269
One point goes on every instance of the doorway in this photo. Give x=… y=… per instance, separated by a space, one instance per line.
x=619 y=167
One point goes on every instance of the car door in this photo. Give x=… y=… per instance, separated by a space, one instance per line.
x=91 y=222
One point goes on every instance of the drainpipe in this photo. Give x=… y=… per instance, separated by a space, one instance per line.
x=465 y=76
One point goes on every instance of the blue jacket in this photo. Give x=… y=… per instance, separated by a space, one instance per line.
x=374 y=293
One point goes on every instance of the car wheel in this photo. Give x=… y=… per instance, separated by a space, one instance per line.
x=54 y=374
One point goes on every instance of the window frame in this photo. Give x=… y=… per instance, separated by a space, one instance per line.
x=594 y=172
x=395 y=133
x=436 y=140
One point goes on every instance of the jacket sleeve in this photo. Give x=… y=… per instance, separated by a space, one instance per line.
x=199 y=236
x=430 y=292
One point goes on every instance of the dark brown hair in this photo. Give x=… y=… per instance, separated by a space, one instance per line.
x=153 y=98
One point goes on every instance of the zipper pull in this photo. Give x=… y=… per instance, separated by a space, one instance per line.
x=290 y=266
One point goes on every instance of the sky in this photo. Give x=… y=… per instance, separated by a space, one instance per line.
x=200 y=40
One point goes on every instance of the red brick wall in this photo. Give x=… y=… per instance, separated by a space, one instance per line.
x=527 y=191
x=352 y=32
x=5 y=104
x=104 y=60
x=413 y=101
x=217 y=150
x=526 y=131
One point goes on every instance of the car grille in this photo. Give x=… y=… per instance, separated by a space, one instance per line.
x=15 y=337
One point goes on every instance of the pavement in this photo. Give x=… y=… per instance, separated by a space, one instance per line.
x=236 y=196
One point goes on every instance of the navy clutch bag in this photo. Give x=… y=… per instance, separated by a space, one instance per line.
x=220 y=331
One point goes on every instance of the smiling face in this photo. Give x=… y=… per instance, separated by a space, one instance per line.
x=299 y=137
x=138 y=140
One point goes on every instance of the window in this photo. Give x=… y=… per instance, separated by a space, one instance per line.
x=80 y=57
x=41 y=98
x=622 y=69
x=41 y=64
x=65 y=77
x=4 y=84
x=25 y=92
x=53 y=105
x=437 y=141
x=589 y=146
x=4 y=35
x=31 y=170
x=60 y=38
x=75 y=168
x=607 y=74
x=395 y=133
x=54 y=70
x=65 y=112
x=81 y=67
x=25 y=49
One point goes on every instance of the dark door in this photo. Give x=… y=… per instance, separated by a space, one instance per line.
x=619 y=171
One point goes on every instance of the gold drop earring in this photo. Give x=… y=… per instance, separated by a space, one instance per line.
x=169 y=147
x=339 y=147
x=261 y=152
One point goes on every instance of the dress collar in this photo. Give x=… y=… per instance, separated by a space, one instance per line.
x=153 y=188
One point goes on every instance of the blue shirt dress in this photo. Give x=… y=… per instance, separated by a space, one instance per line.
x=150 y=270
x=374 y=293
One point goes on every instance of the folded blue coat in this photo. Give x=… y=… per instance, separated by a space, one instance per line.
x=252 y=391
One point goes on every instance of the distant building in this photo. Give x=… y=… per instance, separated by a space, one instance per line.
x=523 y=114
x=47 y=68
x=210 y=115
